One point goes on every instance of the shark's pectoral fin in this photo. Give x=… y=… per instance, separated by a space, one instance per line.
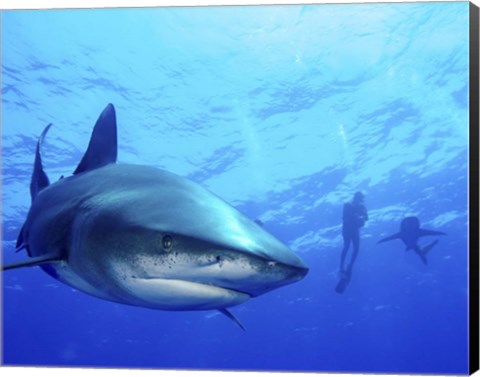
x=48 y=258
x=102 y=149
x=426 y=232
x=232 y=317
x=390 y=238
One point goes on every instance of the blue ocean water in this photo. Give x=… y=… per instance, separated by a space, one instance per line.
x=285 y=112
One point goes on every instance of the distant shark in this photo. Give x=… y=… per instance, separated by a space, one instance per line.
x=410 y=232
x=146 y=237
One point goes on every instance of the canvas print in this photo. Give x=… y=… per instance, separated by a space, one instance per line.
x=268 y=188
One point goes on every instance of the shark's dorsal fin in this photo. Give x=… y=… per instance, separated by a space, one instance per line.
x=232 y=317
x=36 y=261
x=102 y=148
x=39 y=179
x=392 y=237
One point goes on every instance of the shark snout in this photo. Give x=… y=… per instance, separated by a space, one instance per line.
x=250 y=274
x=279 y=274
x=297 y=273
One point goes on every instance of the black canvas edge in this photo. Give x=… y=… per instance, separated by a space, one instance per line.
x=474 y=192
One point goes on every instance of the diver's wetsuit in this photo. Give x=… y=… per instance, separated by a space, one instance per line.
x=354 y=217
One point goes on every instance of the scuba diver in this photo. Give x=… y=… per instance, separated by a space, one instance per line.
x=354 y=217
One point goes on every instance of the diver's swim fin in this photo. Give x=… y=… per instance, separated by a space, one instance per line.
x=43 y=259
x=342 y=284
x=232 y=317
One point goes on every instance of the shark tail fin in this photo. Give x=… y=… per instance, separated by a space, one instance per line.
x=39 y=179
x=232 y=317
x=102 y=148
x=426 y=232
x=43 y=259
x=390 y=238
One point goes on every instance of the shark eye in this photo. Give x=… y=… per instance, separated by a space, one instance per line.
x=167 y=242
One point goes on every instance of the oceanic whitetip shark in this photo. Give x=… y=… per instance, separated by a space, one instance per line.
x=410 y=232
x=142 y=236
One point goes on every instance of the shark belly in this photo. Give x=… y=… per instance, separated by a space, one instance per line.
x=176 y=294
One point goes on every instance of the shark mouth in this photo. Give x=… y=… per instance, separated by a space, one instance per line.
x=177 y=294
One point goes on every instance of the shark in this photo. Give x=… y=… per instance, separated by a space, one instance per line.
x=410 y=233
x=146 y=237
